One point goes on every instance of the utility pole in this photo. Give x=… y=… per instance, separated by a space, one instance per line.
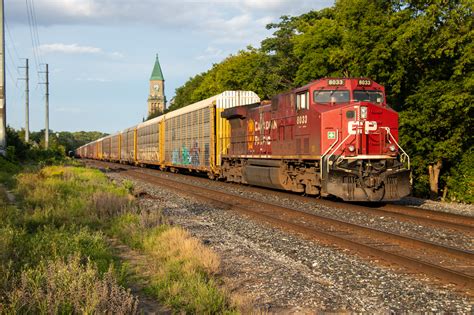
x=3 y=107
x=27 y=100
x=46 y=131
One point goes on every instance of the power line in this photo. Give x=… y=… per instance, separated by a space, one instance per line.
x=11 y=40
x=32 y=35
x=15 y=82
x=35 y=27
x=12 y=60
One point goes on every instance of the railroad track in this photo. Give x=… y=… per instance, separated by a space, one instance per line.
x=444 y=263
x=455 y=221
x=418 y=216
x=424 y=217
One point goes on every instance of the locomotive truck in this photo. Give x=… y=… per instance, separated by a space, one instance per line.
x=333 y=136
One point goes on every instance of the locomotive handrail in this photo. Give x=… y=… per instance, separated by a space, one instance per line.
x=332 y=145
x=337 y=148
x=401 y=149
x=327 y=151
x=332 y=151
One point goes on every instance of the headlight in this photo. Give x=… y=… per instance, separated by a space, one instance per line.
x=351 y=148
x=392 y=147
x=363 y=112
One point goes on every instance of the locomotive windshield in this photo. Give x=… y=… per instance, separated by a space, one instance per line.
x=368 y=96
x=331 y=96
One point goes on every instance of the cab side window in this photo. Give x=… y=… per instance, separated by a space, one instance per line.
x=302 y=100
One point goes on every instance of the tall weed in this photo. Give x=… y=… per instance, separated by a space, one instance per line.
x=61 y=210
x=70 y=286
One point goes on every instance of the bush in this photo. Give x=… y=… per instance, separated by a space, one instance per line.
x=461 y=182
x=7 y=171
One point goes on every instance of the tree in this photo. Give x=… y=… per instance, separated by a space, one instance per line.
x=154 y=114
x=420 y=50
x=184 y=94
x=436 y=128
x=437 y=121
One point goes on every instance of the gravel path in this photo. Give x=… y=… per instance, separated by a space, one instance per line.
x=283 y=273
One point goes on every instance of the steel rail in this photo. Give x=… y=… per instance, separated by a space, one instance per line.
x=462 y=280
x=451 y=221
x=441 y=219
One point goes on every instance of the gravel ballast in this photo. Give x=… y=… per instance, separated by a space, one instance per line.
x=281 y=272
x=437 y=235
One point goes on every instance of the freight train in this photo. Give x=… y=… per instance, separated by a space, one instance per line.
x=331 y=137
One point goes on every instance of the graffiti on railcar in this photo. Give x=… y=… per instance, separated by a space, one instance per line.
x=194 y=156
x=185 y=156
x=175 y=157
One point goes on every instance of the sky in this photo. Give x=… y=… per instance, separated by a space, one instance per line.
x=101 y=52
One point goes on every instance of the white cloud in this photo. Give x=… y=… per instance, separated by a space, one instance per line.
x=69 y=49
x=265 y=4
x=76 y=49
x=224 y=19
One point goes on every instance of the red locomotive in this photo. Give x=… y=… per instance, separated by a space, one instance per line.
x=334 y=136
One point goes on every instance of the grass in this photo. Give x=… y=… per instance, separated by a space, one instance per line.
x=55 y=256
x=183 y=272
x=183 y=269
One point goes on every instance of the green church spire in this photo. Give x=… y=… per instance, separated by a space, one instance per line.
x=157 y=74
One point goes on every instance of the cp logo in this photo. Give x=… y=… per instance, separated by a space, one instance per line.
x=353 y=127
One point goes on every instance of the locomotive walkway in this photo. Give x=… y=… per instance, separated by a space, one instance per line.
x=440 y=262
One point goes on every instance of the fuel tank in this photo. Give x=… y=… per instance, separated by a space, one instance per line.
x=267 y=173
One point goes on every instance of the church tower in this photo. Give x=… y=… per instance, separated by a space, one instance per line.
x=157 y=98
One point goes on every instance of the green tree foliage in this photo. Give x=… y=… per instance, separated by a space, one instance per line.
x=60 y=143
x=185 y=94
x=436 y=124
x=154 y=115
x=279 y=49
x=18 y=149
x=249 y=69
x=460 y=181
x=420 y=50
